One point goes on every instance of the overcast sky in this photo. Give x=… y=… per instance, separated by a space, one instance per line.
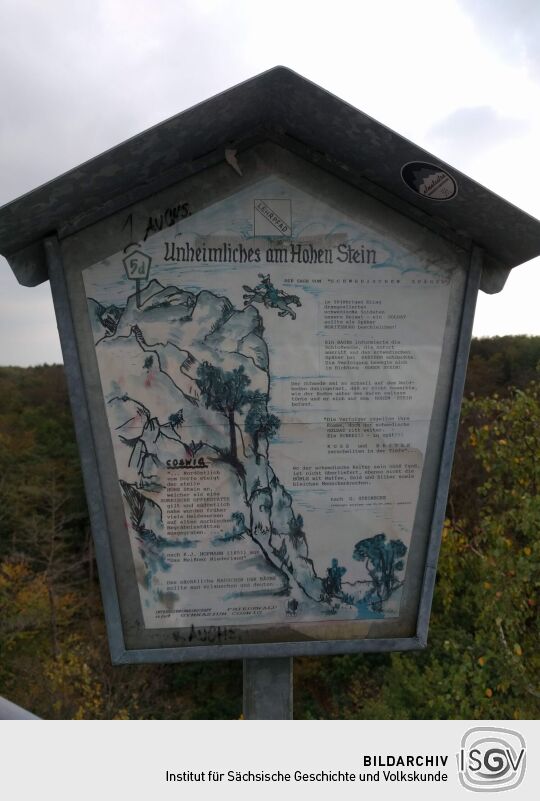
x=460 y=78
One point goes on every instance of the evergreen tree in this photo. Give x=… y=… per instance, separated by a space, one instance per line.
x=225 y=392
x=383 y=561
x=260 y=423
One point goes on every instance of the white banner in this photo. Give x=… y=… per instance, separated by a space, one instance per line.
x=290 y=759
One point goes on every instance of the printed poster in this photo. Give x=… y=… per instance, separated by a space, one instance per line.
x=268 y=367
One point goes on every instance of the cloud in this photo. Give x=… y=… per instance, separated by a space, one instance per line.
x=28 y=333
x=512 y=25
x=476 y=128
x=78 y=78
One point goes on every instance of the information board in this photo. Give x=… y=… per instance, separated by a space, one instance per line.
x=269 y=368
x=265 y=306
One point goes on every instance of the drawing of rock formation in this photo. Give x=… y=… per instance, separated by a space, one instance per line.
x=189 y=379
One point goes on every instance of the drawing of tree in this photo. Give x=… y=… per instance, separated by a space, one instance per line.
x=225 y=392
x=296 y=531
x=332 y=581
x=239 y=521
x=383 y=560
x=177 y=418
x=260 y=423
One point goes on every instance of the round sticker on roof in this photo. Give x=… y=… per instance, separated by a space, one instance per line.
x=429 y=181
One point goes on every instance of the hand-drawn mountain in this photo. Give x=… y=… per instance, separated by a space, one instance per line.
x=191 y=382
x=102 y=318
x=190 y=385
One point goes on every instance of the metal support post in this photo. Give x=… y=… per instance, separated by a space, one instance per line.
x=268 y=689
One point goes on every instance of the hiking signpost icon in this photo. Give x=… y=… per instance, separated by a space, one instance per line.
x=267 y=427
x=137 y=266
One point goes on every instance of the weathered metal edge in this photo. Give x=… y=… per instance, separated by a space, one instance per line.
x=266 y=650
x=11 y=711
x=452 y=423
x=85 y=442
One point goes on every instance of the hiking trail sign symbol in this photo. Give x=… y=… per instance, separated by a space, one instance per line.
x=137 y=266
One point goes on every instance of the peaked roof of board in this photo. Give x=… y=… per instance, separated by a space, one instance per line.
x=284 y=107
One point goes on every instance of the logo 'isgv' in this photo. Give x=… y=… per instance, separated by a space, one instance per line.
x=491 y=759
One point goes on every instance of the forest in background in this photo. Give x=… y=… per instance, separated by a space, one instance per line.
x=483 y=657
